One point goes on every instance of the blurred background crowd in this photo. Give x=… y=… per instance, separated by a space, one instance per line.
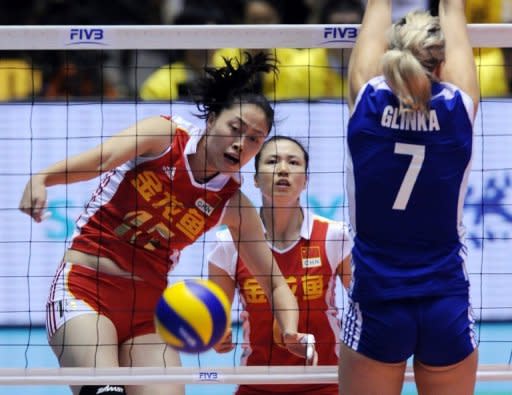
x=165 y=74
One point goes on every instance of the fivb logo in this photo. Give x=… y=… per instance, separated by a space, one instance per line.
x=79 y=36
x=209 y=376
x=340 y=34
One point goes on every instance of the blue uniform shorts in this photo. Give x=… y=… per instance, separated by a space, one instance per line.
x=438 y=331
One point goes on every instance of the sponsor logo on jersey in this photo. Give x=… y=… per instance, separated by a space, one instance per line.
x=169 y=171
x=202 y=205
x=310 y=257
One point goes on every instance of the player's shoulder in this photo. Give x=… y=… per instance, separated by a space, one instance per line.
x=225 y=244
x=378 y=82
x=224 y=235
x=447 y=94
x=184 y=126
x=372 y=88
x=333 y=226
x=447 y=91
x=323 y=219
x=375 y=84
x=318 y=217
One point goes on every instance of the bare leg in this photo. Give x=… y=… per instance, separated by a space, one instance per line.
x=149 y=350
x=457 y=379
x=89 y=340
x=361 y=375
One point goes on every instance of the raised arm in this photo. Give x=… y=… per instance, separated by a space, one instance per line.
x=459 y=68
x=370 y=45
x=149 y=136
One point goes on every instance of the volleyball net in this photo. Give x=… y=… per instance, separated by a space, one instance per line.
x=67 y=88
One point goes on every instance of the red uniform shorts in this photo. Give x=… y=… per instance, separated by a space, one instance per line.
x=78 y=290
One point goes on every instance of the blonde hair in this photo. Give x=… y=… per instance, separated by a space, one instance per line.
x=416 y=48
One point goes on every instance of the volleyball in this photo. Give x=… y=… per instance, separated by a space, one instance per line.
x=192 y=315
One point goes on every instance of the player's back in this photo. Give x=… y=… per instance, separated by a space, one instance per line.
x=407 y=181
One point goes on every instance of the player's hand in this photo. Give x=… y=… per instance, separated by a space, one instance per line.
x=226 y=344
x=303 y=345
x=33 y=201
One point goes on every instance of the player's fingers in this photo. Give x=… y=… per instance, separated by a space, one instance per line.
x=303 y=345
x=39 y=212
x=310 y=343
x=226 y=344
x=224 y=347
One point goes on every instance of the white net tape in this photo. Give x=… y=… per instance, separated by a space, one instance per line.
x=209 y=37
x=233 y=375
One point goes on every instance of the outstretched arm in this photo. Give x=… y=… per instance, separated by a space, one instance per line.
x=223 y=280
x=459 y=68
x=370 y=45
x=247 y=232
x=149 y=136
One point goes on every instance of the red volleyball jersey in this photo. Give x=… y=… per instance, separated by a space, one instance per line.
x=309 y=267
x=150 y=208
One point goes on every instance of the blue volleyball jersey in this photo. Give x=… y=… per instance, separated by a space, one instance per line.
x=407 y=179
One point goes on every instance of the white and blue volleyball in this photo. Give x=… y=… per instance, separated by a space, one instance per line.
x=193 y=315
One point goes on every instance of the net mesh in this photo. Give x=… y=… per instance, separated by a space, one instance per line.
x=66 y=89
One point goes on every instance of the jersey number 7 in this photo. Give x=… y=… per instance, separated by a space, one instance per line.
x=417 y=153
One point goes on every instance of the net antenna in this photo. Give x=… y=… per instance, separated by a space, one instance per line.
x=78 y=38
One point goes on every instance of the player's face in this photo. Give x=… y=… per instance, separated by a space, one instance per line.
x=281 y=172
x=235 y=136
